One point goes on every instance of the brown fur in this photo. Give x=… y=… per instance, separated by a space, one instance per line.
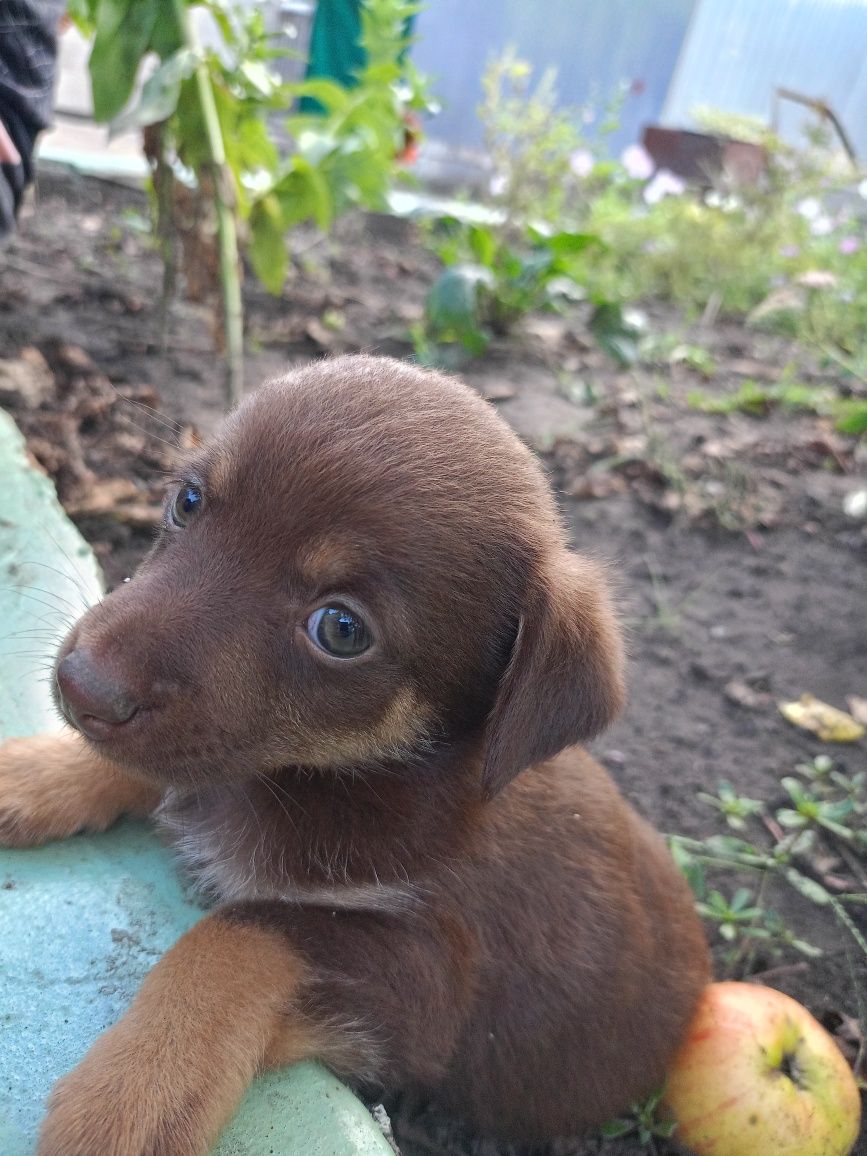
x=405 y=904
x=51 y=787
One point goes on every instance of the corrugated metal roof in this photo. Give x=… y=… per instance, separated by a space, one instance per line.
x=737 y=52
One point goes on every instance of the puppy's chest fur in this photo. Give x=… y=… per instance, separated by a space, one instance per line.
x=236 y=849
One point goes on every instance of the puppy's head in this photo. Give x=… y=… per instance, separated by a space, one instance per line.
x=366 y=561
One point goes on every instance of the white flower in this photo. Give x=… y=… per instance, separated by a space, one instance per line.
x=809 y=208
x=664 y=184
x=499 y=184
x=581 y=163
x=855 y=504
x=638 y=162
x=821 y=226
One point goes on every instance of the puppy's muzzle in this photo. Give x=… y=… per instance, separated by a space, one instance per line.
x=95 y=700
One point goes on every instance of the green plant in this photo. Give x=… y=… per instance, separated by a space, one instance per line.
x=668 y=349
x=743 y=922
x=828 y=815
x=207 y=115
x=736 y=808
x=533 y=251
x=643 y=1122
x=542 y=162
x=345 y=156
x=759 y=398
x=491 y=281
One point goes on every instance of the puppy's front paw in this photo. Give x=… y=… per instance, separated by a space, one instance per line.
x=116 y=1103
x=52 y=786
x=32 y=809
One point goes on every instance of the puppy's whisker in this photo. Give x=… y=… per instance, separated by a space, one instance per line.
x=149 y=411
x=75 y=575
x=149 y=433
x=52 y=594
x=62 y=615
x=69 y=577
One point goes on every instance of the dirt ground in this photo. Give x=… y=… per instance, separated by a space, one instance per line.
x=741 y=578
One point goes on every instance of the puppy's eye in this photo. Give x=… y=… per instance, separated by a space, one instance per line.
x=339 y=631
x=185 y=505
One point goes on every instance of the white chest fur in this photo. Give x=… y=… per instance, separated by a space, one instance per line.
x=237 y=858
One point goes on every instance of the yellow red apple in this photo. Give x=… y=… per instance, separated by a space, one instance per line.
x=757 y=1075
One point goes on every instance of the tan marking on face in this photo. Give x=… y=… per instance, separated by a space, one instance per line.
x=328 y=560
x=400 y=728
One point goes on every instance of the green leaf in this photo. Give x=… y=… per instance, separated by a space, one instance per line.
x=452 y=307
x=567 y=244
x=123 y=32
x=259 y=77
x=852 y=416
x=616 y=1128
x=304 y=195
x=613 y=333
x=665 y=1129
x=160 y=94
x=483 y=244
x=741 y=899
x=807 y=887
x=690 y=866
x=82 y=13
x=791 y=819
x=268 y=243
x=805 y=948
x=795 y=790
x=332 y=96
x=166 y=36
x=729 y=845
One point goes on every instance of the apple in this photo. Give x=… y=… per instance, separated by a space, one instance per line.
x=757 y=1076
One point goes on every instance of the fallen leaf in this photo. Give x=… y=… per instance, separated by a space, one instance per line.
x=102 y=497
x=830 y=724
x=26 y=381
x=857 y=708
x=497 y=391
x=743 y=694
x=817 y=279
x=318 y=332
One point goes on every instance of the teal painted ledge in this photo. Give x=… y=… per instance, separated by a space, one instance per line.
x=82 y=921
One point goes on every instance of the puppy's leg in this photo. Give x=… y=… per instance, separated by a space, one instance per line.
x=247 y=989
x=54 y=785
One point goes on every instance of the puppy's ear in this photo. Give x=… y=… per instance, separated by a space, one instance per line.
x=564 y=681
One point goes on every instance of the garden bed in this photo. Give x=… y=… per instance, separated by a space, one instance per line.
x=740 y=573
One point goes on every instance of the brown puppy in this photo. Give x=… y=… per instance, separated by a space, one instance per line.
x=359 y=623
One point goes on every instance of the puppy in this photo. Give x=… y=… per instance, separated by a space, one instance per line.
x=348 y=680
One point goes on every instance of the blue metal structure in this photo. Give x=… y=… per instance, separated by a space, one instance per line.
x=595 y=45
x=737 y=52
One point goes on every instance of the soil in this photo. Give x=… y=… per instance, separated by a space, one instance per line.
x=741 y=578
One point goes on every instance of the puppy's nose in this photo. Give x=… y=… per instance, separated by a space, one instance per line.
x=92 y=700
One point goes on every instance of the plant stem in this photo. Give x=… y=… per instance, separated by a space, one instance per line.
x=740 y=859
x=227 y=238
x=843 y=915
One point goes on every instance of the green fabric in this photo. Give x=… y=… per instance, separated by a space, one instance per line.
x=336 y=52
x=335 y=42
